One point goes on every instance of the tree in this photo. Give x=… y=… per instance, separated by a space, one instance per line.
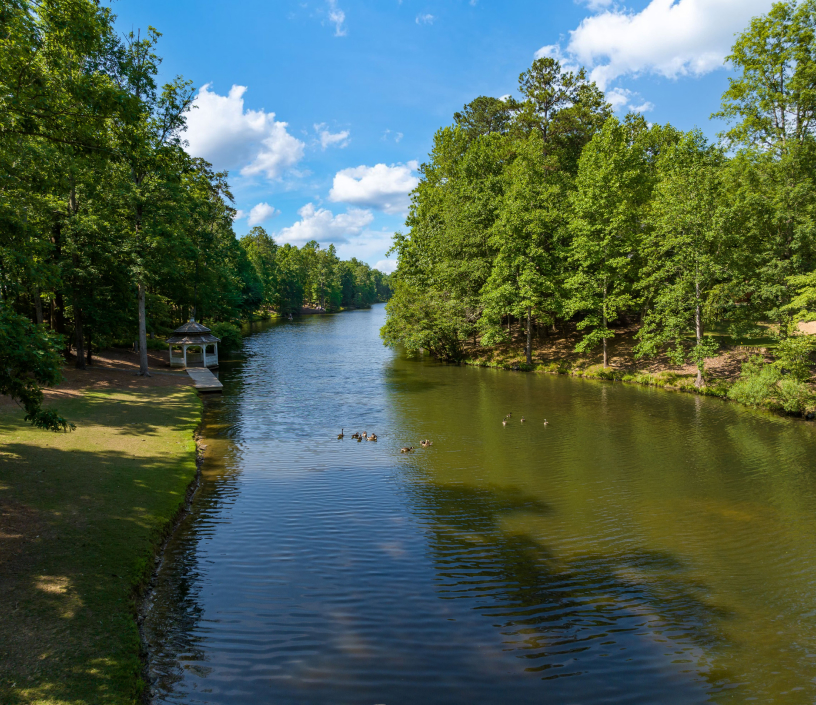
x=686 y=252
x=611 y=191
x=150 y=147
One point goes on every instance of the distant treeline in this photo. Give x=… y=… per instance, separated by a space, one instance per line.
x=548 y=208
x=109 y=230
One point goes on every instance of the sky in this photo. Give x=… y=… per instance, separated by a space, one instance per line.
x=322 y=110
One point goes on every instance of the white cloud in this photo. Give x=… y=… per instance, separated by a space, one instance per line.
x=382 y=187
x=239 y=214
x=223 y=133
x=623 y=99
x=553 y=51
x=331 y=139
x=386 y=266
x=425 y=19
x=598 y=4
x=670 y=38
x=398 y=137
x=260 y=213
x=337 y=17
x=322 y=225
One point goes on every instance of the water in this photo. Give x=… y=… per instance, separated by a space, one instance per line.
x=643 y=547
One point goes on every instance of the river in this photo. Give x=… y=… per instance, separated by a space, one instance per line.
x=642 y=547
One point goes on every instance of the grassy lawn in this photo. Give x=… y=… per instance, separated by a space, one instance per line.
x=80 y=517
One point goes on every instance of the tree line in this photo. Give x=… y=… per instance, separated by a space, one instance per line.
x=109 y=230
x=546 y=209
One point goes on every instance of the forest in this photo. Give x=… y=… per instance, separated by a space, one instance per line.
x=110 y=233
x=547 y=210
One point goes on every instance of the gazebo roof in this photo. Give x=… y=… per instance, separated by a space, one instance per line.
x=192 y=333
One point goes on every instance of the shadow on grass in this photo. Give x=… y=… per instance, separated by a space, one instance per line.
x=85 y=527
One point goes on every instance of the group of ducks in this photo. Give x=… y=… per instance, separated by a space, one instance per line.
x=507 y=418
x=365 y=436
x=359 y=437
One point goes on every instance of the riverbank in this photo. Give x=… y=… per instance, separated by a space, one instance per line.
x=555 y=354
x=82 y=515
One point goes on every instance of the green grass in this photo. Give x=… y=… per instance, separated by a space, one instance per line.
x=82 y=516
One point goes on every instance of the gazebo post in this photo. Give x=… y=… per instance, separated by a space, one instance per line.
x=185 y=356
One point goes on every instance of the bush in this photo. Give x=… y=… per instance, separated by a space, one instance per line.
x=765 y=386
x=757 y=384
x=229 y=334
x=793 y=356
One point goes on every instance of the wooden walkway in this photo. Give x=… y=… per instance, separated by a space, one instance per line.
x=204 y=380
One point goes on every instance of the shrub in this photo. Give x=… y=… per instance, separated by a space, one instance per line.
x=757 y=384
x=793 y=356
x=229 y=334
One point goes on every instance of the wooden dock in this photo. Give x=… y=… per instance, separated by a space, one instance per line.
x=204 y=380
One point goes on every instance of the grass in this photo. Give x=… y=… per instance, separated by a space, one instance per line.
x=81 y=516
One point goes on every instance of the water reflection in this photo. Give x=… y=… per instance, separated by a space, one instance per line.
x=642 y=547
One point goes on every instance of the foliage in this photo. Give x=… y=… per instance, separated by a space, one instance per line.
x=230 y=335
x=765 y=385
x=27 y=361
x=794 y=356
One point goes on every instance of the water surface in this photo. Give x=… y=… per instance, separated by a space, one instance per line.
x=643 y=546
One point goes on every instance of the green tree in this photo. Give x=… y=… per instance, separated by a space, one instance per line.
x=611 y=192
x=686 y=252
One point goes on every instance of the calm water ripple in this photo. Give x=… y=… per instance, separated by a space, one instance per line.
x=642 y=547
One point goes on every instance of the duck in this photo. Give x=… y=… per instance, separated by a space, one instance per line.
x=355 y=435
x=504 y=422
x=372 y=437
x=407 y=449
x=340 y=435
x=522 y=419
x=426 y=443
x=365 y=434
x=546 y=423
x=359 y=439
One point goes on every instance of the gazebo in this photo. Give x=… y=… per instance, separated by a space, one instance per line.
x=193 y=335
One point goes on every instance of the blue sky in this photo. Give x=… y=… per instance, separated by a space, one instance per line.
x=322 y=109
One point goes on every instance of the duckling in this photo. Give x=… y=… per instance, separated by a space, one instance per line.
x=406 y=450
x=359 y=439
x=355 y=435
x=504 y=422
x=522 y=419
x=426 y=443
x=340 y=435
x=372 y=437
x=546 y=422
x=365 y=434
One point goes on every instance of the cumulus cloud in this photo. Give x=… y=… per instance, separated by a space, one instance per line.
x=322 y=225
x=624 y=99
x=260 y=213
x=331 y=139
x=338 y=18
x=386 y=266
x=221 y=131
x=670 y=38
x=382 y=187
x=425 y=19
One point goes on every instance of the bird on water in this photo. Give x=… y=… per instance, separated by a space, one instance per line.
x=522 y=419
x=372 y=437
x=504 y=422
x=426 y=443
x=407 y=449
x=546 y=422
x=340 y=435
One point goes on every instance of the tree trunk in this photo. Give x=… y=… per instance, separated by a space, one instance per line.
x=89 y=360
x=144 y=370
x=529 y=350
x=79 y=335
x=698 y=325
x=59 y=321
x=38 y=305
